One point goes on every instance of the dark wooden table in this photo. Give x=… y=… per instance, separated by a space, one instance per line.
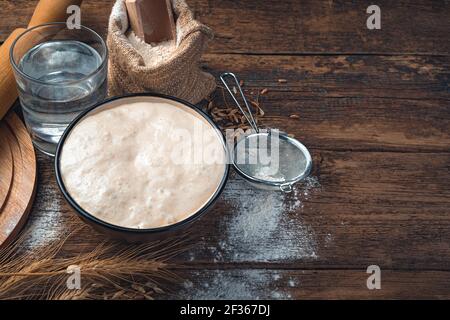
x=374 y=108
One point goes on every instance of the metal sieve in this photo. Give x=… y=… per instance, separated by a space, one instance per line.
x=266 y=158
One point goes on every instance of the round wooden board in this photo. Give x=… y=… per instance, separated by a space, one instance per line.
x=6 y=168
x=14 y=212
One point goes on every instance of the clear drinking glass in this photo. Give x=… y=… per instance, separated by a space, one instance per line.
x=59 y=73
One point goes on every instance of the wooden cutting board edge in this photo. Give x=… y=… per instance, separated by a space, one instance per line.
x=6 y=166
x=23 y=188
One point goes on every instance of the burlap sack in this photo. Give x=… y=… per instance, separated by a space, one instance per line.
x=179 y=75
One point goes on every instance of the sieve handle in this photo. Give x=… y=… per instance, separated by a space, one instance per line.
x=249 y=117
x=286 y=187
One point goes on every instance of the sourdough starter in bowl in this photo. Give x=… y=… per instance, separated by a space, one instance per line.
x=142 y=162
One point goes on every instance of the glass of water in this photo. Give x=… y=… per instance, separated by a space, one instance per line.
x=59 y=73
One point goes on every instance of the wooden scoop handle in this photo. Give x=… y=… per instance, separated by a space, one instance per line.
x=51 y=11
x=8 y=91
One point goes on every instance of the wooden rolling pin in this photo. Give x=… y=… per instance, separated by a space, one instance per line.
x=45 y=12
x=51 y=11
x=8 y=91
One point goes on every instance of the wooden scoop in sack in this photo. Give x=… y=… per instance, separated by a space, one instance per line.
x=46 y=11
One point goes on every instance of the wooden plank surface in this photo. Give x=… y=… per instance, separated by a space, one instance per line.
x=348 y=102
x=348 y=218
x=308 y=284
x=294 y=27
x=373 y=107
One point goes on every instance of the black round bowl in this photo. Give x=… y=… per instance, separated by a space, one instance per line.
x=132 y=234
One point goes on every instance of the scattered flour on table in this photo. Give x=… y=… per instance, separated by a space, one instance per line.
x=234 y=285
x=47 y=227
x=153 y=54
x=292 y=283
x=266 y=225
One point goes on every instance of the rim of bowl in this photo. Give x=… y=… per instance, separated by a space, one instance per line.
x=171 y=227
x=56 y=24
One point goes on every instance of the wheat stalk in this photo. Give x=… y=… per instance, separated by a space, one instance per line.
x=110 y=271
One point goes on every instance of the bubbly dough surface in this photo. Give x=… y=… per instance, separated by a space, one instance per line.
x=142 y=162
